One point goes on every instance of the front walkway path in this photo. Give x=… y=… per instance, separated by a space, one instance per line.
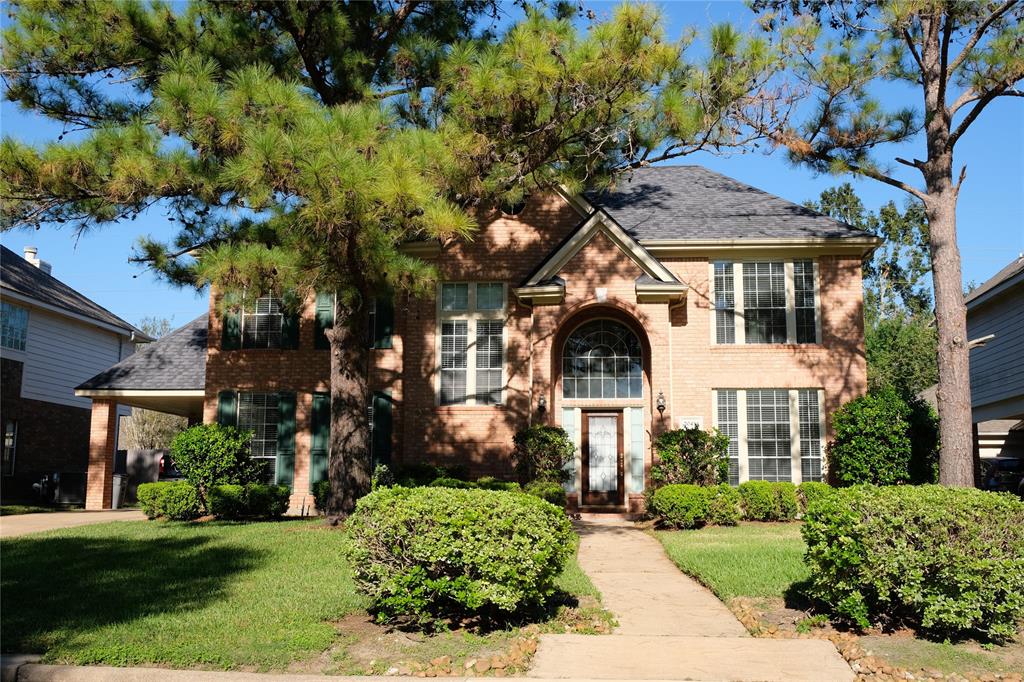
x=23 y=524
x=670 y=627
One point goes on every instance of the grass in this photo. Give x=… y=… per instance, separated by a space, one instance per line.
x=913 y=654
x=259 y=596
x=16 y=509
x=748 y=560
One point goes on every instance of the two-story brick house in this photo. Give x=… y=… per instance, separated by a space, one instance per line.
x=681 y=297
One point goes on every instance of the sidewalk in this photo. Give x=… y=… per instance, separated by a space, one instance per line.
x=670 y=628
x=23 y=524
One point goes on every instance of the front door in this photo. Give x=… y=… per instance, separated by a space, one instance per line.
x=602 y=458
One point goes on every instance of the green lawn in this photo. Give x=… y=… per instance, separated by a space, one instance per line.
x=260 y=595
x=748 y=560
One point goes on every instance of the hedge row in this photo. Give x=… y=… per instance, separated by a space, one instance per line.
x=693 y=506
x=179 y=501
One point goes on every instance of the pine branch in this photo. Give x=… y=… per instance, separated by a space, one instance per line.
x=980 y=32
x=983 y=101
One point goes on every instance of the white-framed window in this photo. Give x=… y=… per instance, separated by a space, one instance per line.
x=602 y=359
x=13 y=326
x=471 y=343
x=258 y=412
x=775 y=434
x=10 y=446
x=262 y=323
x=765 y=302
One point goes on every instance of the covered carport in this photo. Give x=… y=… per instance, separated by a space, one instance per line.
x=168 y=375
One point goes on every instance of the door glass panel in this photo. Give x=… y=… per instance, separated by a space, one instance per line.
x=603 y=456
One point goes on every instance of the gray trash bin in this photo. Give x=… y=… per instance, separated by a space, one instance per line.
x=120 y=489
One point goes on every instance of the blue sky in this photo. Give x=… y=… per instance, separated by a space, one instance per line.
x=990 y=216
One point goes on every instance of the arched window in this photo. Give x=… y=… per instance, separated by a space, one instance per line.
x=602 y=359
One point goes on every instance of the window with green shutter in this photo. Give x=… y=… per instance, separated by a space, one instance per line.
x=324 y=318
x=382 y=321
x=227 y=408
x=320 y=432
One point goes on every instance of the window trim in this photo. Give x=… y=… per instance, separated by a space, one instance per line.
x=626 y=401
x=740 y=321
x=11 y=349
x=796 y=470
x=471 y=315
x=14 y=444
x=244 y=312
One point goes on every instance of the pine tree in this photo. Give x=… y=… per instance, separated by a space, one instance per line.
x=960 y=55
x=296 y=154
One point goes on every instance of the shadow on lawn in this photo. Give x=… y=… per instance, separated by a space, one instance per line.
x=53 y=588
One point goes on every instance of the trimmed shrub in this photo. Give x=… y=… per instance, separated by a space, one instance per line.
x=691 y=456
x=491 y=483
x=151 y=497
x=810 y=492
x=724 y=505
x=449 y=482
x=547 y=491
x=431 y=554
x=181 y=502
x=768 y=500
x=682 y=505
x=266 y=501
x=211 y=454
x=382 y=477
x=948 y=561
x=227 y=501
x=882 y=439
x=321 y=493
x=542 y=452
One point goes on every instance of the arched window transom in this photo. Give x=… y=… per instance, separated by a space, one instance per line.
x=602 y=359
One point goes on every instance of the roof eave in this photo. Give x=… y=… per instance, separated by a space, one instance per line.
x=831 y=245
x=127 y=330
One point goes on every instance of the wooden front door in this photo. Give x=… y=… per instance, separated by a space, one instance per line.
x=603 y=472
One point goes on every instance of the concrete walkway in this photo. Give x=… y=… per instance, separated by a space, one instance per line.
x=23 y=524
x=670 y=627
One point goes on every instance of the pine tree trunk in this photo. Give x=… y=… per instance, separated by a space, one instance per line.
x=349 y=467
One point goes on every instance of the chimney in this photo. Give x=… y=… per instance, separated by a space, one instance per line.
x=31 y=255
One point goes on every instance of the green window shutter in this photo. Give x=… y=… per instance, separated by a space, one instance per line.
x=384 y=321
x=285 y=439
x=381 y=428
x=227 y=408
x=320 y=432
x=324 y=319
x=231 y=331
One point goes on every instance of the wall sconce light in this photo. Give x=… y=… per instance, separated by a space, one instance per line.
x=542 y=405
x=661 y=402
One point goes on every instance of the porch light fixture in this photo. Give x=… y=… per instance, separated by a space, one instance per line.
x=542 y=405
x=661 y=402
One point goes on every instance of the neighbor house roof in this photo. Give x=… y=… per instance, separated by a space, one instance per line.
x=1005 y=278
x=176 y=362
x=693 y=203
x=23 y=280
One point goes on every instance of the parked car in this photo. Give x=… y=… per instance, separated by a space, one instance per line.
x=1003 y=474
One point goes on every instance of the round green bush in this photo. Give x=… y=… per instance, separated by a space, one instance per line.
x=211 y=454
x=542 y=453
x=449 y=482
x=809 y=492
x=724 y=505
x=432 y=554
x=151 y=497
x=181 y=502
x=682 y=505
x=768 y=500
x=883 y=439
x=491 y=483
x=948 y=561
x=227 y=501
x=264 y=501
x=548 y=491
x=691 y=456
x=321 y=494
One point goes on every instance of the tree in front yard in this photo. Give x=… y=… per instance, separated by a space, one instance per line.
x=960 y=57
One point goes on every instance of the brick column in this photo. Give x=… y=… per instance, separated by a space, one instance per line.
x=102 y=439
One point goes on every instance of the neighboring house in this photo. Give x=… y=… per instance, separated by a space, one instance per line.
x=995 y=326
x=52 y=339
x=684 y=297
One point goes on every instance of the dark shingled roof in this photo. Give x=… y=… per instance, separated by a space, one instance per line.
x=691 y=202
x=175 y=362
x=20 y=276
x=1012 y=270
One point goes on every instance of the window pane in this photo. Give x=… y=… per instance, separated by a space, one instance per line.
x=489 y=296
x=605 y=357
x=455 y=296
x=729 y=424
x=488 y=361
x=810 y=436
x=764 y=302
x=262 y=321
x=725 y=304
x=454 y=342
x=768 y=441
x=13 y=326
x=803 y=285
x=258 y=413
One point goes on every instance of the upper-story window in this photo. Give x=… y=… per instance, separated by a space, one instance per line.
x=471 y=343
x=262 y=322
x=765 y=302
x=13 y=326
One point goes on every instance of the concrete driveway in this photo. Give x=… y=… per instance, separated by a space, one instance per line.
x=23 y=524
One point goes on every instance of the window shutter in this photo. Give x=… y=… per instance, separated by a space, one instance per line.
x=381 y=429
x=324 y=319
x=285 y=439
x=290 y=329
x=320 y=431
x=227 y=408
x=231 y=331
x=384 y=322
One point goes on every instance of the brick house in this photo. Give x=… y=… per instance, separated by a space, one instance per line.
x=682 y=297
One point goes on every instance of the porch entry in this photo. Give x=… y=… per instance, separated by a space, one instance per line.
x=603 y=466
